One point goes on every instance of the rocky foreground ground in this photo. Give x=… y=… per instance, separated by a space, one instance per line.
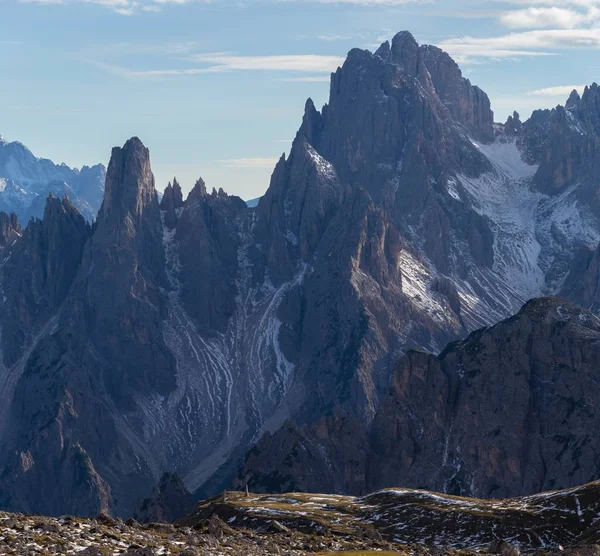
x=399 y=521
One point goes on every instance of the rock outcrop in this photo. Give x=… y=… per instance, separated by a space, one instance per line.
x=467 y=104
x=10 y=229
x=208 y=244
x=507 y=411
x=171 y=203
x=570 y=155
x=39 y=274
x=583 y=283
x=168 y=501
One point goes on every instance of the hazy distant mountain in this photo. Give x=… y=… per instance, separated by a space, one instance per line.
x=26 y=181
x=174 y=336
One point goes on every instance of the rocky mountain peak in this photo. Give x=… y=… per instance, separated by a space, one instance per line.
x=513 y=124
x=129 y=182
x=384 y=51
x=312 y=124
x=467 y=103
x=569 y=154
x=198 y=191
x=405 y=52
x=573 y=99
x=172 y=201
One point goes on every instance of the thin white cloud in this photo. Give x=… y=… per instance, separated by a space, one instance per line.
x=49 y=2
x=308 y=79
x=362 y=2
x=297 y=62
x=249 y=163
x=220 y=63
x=335 y=38
x=535 y=18
x=559 y=91
x=541 y=42
x=121 y=7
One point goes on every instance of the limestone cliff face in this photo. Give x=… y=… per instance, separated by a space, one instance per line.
x=10 y=229
x=171 y=203
x=507 y=411
x=208 y=254
x=67 y=432
x=570 y=155
x=583 y=283
x=44 y=260
x=468 y=104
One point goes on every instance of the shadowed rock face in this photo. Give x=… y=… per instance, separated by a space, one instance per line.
x=168 y=501
x=583 y=283
x=171 y=203
x=207 y=234
x=570 y=154
x=467 y=104
x=10 y=229
x=67 y=431
x=507 y=411
x=39 y=274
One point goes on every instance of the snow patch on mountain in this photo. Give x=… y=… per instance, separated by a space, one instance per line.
x=227 y=385
x=26 y=180
x=529 y=228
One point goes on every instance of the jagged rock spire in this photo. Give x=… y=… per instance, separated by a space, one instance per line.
x=129 y=181
x=9 y=228
x=312 y=124
x=573 y=100
x=199 y=190
x=171 y=201
x=405 y=51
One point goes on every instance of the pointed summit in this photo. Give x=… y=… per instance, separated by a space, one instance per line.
x=129 y=181
x=573 y=100
x=384 y=51
x=171 y=201
x=312 y=124
x=405 y=51
x=198 y=191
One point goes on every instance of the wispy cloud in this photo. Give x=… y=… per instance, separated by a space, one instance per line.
x=220 y=63
x=552 y=17
x=122 y=7
x=298 y=62
x=542 y=27
x=257 y=162
x=308 y=79
x=362 y=2
x=541 y=42
x=559 y=91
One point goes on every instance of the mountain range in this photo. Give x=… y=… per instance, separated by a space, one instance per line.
x=26 y=181
x=367 y=324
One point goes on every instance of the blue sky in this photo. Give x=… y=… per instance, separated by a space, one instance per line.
x=217 y=88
